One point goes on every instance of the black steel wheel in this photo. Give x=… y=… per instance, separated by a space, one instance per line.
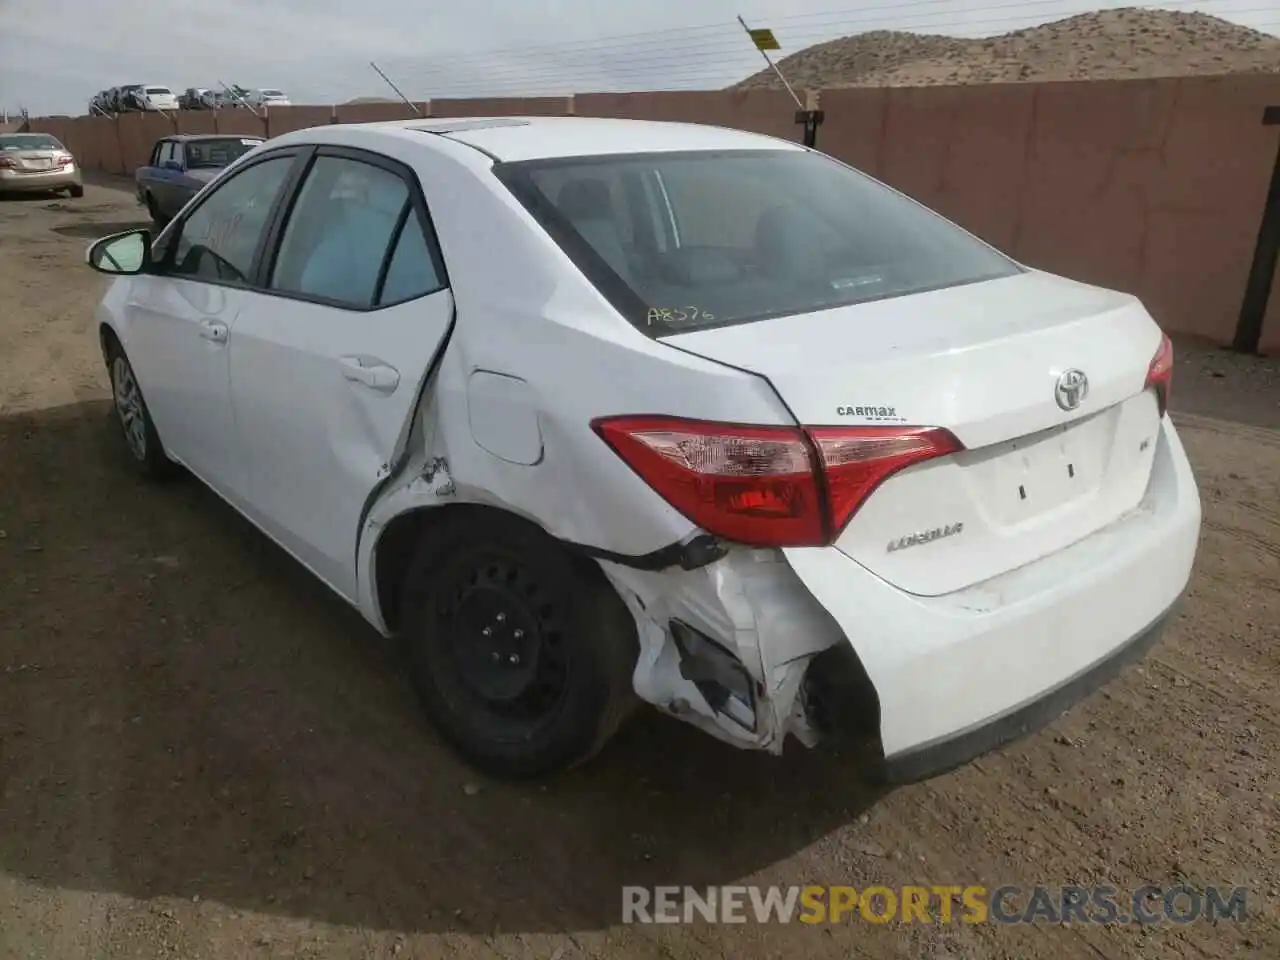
x=521 y=653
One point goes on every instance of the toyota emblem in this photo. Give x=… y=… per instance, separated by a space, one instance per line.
x=1071 y=389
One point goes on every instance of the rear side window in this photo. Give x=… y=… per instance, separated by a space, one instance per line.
x=30 y=141
x=412 y=271
x=683 y=241
x=354 y=239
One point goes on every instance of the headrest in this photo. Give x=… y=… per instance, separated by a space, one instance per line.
x=585 y=199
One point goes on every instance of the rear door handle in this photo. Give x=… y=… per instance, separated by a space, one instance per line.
x=213 y=330
x=372 y=372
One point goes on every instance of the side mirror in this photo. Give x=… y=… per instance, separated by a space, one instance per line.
x=126 y=254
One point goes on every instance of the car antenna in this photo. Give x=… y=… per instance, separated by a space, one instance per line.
x=407 y=102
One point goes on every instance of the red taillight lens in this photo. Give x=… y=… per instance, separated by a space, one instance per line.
x=767 y=486
x=62 y=159
x=6 y=161
x=743 y=483
x=1160 y=373
x=856 y=460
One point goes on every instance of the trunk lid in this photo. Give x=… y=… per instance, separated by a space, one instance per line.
x=34 y=161
x=984 y=361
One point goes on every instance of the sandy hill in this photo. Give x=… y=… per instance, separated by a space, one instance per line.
x=1127 y=42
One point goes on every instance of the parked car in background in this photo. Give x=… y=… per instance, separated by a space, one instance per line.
x=181 y=165
x=37 y=163
x=158 y=97
x=105 y=102
x=267 y=97
x=131 y=98
x=197 y=98
x=587 y=410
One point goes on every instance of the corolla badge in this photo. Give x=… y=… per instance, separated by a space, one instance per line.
x=1071 y=389
x=925 y=536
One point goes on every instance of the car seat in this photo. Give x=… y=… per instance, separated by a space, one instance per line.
x=588 y=206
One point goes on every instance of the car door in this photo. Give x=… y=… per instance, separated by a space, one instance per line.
x=170 y=183
x=158 y=174
x=181 y=314
x=328 y=362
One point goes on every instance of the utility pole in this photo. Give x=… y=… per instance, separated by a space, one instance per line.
x=407 y=102
x=241 y=100
x=762 y=39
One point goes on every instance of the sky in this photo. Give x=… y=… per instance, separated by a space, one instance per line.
x=55 y=54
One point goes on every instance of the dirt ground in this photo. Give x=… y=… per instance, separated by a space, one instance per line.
x=203 y=754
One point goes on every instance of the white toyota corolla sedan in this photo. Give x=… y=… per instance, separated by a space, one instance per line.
x=588 y=412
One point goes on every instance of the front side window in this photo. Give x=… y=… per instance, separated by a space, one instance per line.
x=218 y=240
x=337 y=237
x=683 y=241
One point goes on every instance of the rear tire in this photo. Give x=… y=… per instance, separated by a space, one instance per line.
x=76 y=190
x=142 y=442
x=521 y=653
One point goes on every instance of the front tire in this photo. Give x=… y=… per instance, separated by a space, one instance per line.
x=153 y=208
x=141 y=440
x=521 y=653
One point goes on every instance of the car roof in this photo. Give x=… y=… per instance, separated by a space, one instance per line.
x=187 y=137
x=538 y=138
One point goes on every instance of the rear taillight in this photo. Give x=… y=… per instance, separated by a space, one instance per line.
x=767 y=486
x=856 y=460
x=62 y=159
x=1160 y=373
x=6 y=161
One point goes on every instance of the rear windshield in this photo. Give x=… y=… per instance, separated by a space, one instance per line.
x=272 y=93
x=30 y=141
x=684 y=241
x=213 y=154
x=160 y=90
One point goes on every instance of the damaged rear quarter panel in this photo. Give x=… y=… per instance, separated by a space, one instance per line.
x=524 y=311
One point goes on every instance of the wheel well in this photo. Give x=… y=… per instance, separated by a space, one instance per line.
x=106 y=339
x=398 y=543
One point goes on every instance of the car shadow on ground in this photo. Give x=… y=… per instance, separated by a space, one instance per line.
x=185 y=712
x=30 y=196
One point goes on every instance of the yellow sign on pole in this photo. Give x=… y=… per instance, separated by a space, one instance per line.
x=764 y=39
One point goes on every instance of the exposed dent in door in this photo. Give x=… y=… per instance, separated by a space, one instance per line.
x=438 y=467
